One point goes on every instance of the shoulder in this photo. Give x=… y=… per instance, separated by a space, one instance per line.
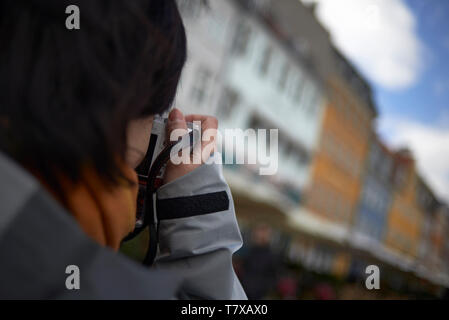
x=40 y=239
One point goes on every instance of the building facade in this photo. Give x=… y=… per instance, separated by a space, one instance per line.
x=375 y=199
x=249 y=76
x=443 y=239
x=268 y=64
x=404 y=219
x=209 y=30
x=275 y=89
x=428 y=251
x=345 y=133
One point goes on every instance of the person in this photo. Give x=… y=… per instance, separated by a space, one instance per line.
x=76 y=111
x=260 y=266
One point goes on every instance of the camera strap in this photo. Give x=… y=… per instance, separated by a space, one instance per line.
x=171 y=208
x=148 y=185
x=150 y=208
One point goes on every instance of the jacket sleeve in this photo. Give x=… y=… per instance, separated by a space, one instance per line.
x=199 y=245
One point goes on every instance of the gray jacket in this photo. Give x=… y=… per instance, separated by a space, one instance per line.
x=39 y=239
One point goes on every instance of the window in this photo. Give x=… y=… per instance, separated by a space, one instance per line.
x=292 y=85
x=374 y=157
x=241 y=39
x=201 y=86
x=299 y=90
x=289 y=149
x=313 y=103
x=400 y=177
x=283 y=77
x=229 y=100
x=306 y=93
x=265 y=60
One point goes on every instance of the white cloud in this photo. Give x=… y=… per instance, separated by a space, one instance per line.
x=430 y=146
x=378 y=35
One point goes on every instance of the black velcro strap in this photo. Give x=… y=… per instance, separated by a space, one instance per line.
x=183 y=207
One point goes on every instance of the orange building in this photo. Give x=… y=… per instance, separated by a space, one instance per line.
x=405 y=217
x=337 y=168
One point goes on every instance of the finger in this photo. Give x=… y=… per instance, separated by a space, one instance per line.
x=196 y=117
x=207 y=122
x=176 y=121
x=210 y=123
x=209 y=127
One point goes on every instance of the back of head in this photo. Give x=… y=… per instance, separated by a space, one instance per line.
x=67 y=96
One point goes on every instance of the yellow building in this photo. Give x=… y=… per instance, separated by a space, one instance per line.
x=337 y=168
x=404 y=219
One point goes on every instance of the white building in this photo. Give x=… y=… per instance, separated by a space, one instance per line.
x=241 y=69
x=208 y=33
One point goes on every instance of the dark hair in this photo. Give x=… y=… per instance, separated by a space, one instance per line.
x=67 y=96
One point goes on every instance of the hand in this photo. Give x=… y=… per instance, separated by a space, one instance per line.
x=176 y=120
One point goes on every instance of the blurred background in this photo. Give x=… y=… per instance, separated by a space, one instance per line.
x=359 y=92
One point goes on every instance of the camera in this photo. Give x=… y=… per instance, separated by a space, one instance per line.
x=151 y=174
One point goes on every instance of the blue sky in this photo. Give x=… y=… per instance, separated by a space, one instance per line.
x=418 y=116
x=427 y=101
x=402 y=48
